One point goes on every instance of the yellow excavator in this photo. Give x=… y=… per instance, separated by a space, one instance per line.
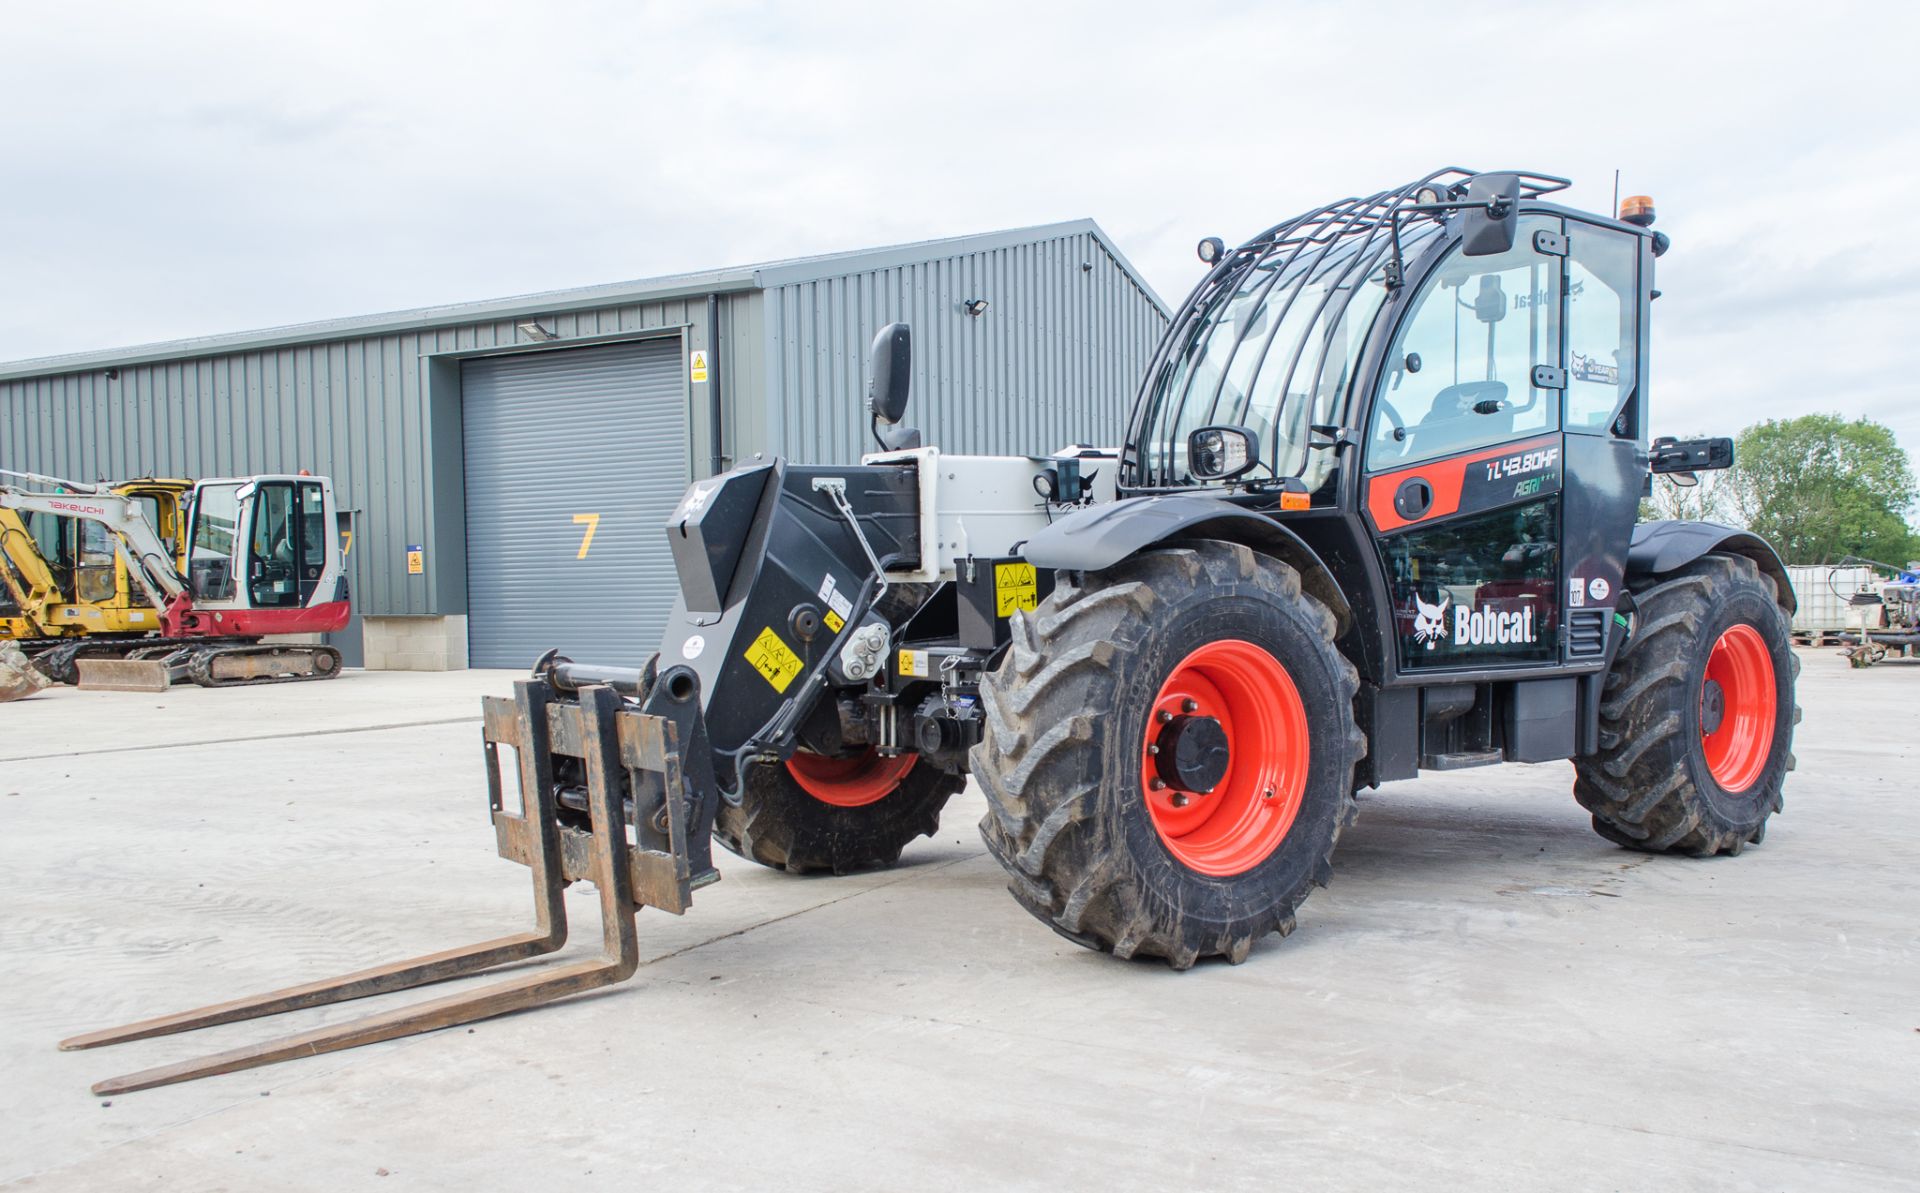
x=140 y=583
x=65 y=578
x=66 y=589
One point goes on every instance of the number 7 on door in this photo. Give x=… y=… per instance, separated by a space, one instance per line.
x=592 y=523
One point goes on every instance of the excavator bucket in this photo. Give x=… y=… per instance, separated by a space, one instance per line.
x=19 y=678
x=602 y=799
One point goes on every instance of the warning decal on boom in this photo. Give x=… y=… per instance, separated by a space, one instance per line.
x=773 y=659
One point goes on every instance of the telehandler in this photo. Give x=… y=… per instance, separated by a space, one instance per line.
x=1374 y=513
x=139 y=584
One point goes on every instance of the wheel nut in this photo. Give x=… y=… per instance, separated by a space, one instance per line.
x=1152 y=750
x=1163 y=716
x=1189 y=705
x=1158 y=784
x=1179 y=801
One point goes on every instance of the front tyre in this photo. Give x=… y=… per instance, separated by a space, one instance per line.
x=1169 y=753
x=838 y=814
x=1696 y=724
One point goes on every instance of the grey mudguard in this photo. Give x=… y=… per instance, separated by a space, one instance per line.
x=1100 y=536
x=1665 y=545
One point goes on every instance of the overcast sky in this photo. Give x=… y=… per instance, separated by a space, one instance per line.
x=186 y=168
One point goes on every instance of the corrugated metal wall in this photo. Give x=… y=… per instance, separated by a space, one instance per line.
x=1054 y=360
x=354 y=410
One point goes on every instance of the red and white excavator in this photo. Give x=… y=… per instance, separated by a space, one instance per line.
x=258 y=556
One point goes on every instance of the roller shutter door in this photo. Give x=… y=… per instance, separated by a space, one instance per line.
x=561 y=446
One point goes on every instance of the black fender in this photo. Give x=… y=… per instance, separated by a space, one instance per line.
x=1663 y=546
x=1100 y=536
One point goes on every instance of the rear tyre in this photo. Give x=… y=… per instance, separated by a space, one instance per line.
x=1209 y=860
x=837 y=814
x=1696 y=725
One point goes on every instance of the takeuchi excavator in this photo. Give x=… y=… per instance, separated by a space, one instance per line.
x=142 y=584
x=63 y=580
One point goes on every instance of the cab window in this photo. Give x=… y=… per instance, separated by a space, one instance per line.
x=216 y=513
x=313 y=531
x=1603 y=311
x=93 y=573
x=1459 y=374
x=273 y=555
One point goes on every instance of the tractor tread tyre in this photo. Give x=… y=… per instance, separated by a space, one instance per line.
x=1059 y=763
x=1649 y=788
x=780 y=825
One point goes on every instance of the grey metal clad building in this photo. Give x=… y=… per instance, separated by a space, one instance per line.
x=530 y=449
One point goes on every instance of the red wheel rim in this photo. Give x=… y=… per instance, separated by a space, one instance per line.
x=1246 y=816
x=851 y=782
x=1738 y=748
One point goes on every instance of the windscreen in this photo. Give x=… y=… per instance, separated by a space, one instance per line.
x=216 y=514
x=1274 y=347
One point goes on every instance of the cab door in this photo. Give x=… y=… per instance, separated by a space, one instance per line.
x=1609 y=271
x=1465 y=456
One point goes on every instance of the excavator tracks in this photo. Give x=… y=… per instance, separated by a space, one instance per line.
x=155 y=666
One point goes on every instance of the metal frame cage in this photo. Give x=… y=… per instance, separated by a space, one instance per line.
x=1338 y=247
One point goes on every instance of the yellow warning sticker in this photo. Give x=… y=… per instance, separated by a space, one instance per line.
x=912 y=662
x=773 y=659
x=697 y=368
x=1014 y=587
x=834 y=621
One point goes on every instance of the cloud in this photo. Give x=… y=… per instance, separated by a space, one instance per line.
x=196 y=167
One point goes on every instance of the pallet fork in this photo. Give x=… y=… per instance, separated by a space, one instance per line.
x=631 y=763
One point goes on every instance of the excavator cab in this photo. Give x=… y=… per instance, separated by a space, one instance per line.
x=262 y=553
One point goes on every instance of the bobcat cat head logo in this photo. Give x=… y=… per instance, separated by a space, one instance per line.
x=1430 y=623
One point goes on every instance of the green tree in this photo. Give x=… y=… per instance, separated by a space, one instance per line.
x=1819 y=487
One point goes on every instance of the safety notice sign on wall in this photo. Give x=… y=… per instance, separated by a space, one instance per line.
x=697 y=372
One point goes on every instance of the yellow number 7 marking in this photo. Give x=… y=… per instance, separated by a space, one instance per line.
x=592 y=523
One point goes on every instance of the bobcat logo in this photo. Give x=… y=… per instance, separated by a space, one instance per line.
x=1430 y=623
x=696 y=499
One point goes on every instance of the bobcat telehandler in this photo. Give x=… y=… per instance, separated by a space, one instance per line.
x=140 y=584
x=1374 y=513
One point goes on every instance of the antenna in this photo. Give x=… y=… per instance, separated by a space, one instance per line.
x=1616 y=194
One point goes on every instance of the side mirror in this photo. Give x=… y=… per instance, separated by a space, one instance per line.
x=890 y=372
x=1669 y=456
x=1222 y=453
x=1489 y=226
x=892 y=360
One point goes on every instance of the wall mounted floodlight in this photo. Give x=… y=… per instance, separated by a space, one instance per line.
x=531 y=329
x=1211 y=250
x=975 y=307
